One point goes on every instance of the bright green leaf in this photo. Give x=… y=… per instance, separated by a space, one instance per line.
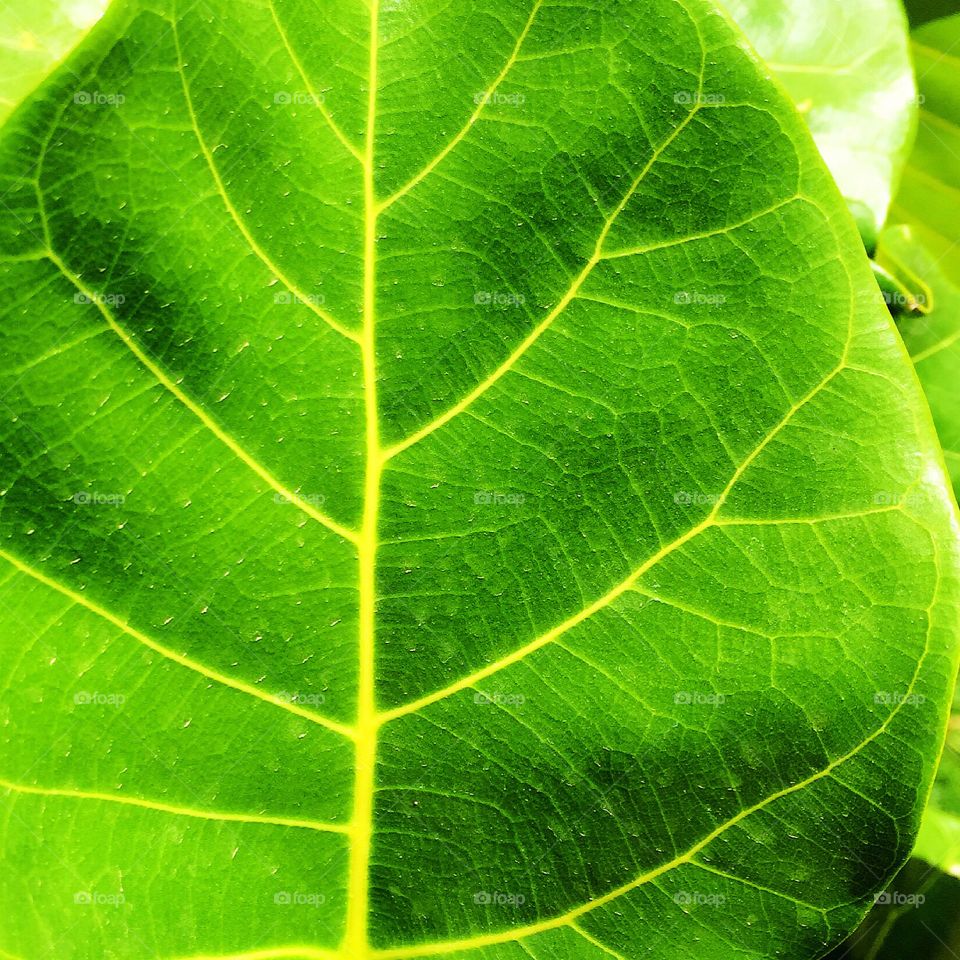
x=34 y=37
x=847 y=67
x=462 y=497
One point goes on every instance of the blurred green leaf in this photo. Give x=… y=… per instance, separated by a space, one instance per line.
x=929 y=197
x=916 y=918
x=34 y=38
x=924 y=244
x=923 y=11
x=932 y=338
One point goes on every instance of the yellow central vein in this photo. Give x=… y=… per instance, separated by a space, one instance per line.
x=571 y=294
x=711 y=520
x=258 y=251
x=196 y=409
x=356 y=936
x=177 y=658
x=161 y=807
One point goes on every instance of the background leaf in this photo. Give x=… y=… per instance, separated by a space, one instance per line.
x=847 y=68
x=923 y=11
x=933 y=338
x=924 y=253
x=917 y=916
x=34 y=37
x=929 y=198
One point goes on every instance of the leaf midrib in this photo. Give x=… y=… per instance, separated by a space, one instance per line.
x=356 y=937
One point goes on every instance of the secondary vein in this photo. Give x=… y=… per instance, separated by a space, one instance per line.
x=165 y=381
x=255 y=247
x=178 y=658
x=173 y=809
x=568 y=297
x=468 y=126
x=440 y=948
x=624 y=585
